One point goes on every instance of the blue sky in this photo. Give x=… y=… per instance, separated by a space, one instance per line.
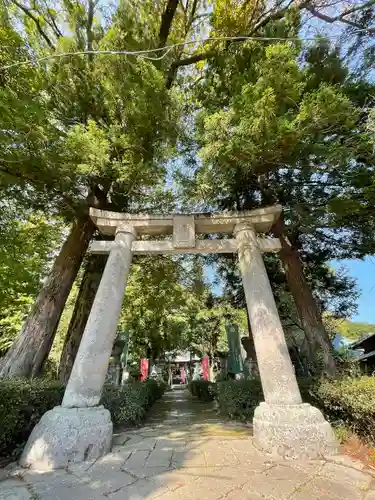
x=364 y=272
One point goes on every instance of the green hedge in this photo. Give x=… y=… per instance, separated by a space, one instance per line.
x=238 y=398
x=203 y=389
x=129 y=404
x=23 y=402
x=349 y=402
x=346 y=401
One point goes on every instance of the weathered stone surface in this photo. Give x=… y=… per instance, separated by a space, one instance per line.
x=276 y=370
x=346 y=475
x=320 y=488
x=104 y=481
x=90 y=367
x=139 y=443
x=136 y=461
x=142 y=489
x=346 y=461
x=189 y=458
x=66 y=435
x=183 y=231
x=278 y=482
x=292 y=431
x=159 y=458
x=11 y=492
x=58 y=485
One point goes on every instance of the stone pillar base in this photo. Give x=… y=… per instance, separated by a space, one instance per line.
x=66 y=435
x=293 y=431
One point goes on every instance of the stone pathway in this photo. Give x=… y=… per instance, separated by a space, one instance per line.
x=185 y=452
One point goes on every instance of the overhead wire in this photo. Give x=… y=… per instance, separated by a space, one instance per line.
x=166 y=49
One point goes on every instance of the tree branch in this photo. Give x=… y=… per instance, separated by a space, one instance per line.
x=194 y=59
x=90 y=19
x=36 y=21
x=186 y=62
x=166 y=22
x=341 y=17
x=50 y=21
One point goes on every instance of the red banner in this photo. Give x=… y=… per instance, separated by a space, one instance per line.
x=206 y=368
x=144 y=369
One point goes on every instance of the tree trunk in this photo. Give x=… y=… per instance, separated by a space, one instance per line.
x=87 y=291
x=249 y=346
x=307 y=308
x=28 y=352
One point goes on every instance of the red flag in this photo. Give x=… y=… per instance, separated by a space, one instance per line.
x=206 y=368
x=144 y=369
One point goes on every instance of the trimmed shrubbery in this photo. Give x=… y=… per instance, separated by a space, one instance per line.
x=129 y=403
x=203 y=389
x=349 y=402
x=239 y=398
x=346 y=402
x=23 y=402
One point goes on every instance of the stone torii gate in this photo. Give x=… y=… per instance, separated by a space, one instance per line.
x=79 y=429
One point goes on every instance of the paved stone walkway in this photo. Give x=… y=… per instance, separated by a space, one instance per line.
x=184 y=453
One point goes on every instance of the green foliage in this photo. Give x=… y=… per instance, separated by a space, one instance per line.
x=79 y=125
x=349 y=402
x=352 y=330
x=22 y=404
x=203 y=389
x=238 y=398
x=168 y=306
x=129 y=403
x=27 y=242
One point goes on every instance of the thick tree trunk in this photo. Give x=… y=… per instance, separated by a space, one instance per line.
x=307 y=308
x=89 y=286
x=249 y=346
x=28 y=352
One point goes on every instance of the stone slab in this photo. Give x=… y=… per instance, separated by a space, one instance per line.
x=14 y=489
x=160 y=458
x=346 y=475
x=136 y=463
x=66 y=435
x=140 y=490
x=277 y=482
x=139 y=443
x=321 y=488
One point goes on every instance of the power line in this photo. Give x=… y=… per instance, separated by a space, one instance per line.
x=166 y=49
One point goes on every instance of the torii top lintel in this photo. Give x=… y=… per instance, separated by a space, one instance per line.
x=261 y=219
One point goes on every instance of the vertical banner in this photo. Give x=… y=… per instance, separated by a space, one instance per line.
x=182 y=371
x=206 y=368
x=144 y=369
x=235 y=361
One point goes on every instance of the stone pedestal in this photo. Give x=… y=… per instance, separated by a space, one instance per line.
x=293 y=431
x=283 y=425
x=66 y=435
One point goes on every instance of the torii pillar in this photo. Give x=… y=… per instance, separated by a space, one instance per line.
x=80 y=430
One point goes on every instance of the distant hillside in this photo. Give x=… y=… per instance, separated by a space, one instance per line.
x=353 y=330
